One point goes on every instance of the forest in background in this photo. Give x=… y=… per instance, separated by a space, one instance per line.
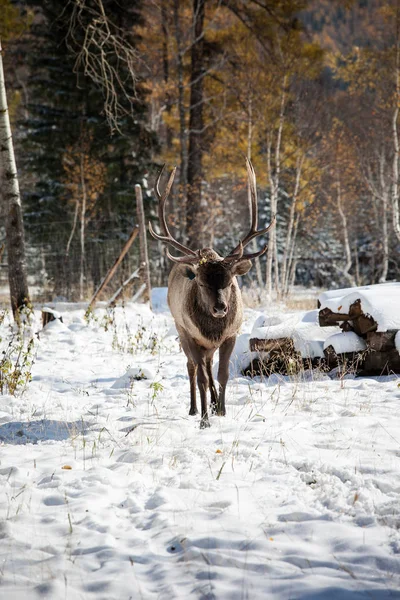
x=103 y=92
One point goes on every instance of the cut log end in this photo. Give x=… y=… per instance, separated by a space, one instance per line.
x=49 y=315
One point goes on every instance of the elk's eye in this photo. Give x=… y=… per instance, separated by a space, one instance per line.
x=190 y=274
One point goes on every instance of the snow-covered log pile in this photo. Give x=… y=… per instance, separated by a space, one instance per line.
x=369 y=319
x=287 y=344
x=356 y=327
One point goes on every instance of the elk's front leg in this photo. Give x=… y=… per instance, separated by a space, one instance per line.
x=225 y=352
x=211 y=383
x=192 y=361
x=197 y=366
x=203 y=383
x=192 y=371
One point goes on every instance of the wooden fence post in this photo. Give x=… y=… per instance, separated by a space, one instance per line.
x=144 y=258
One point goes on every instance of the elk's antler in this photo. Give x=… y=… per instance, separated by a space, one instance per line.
x=237 y=253
x=191 y=256
x=186 y=260
x=167 y=237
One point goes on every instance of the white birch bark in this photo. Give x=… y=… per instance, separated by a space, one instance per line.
x=11 y=198
x=249 y=142
x=71 y=236
x=292 y=261
x=385 y=232
x=285 y=273
x=268 y=272
x=396 y=148
x=346 y=242
x=274 y=180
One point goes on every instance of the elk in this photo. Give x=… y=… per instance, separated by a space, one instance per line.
x=205 y=301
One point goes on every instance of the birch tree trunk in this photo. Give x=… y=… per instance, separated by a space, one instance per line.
x=249 y=142
x=381 y=190
x=71 y=235
x=11 y=198
x=396 y=147
x=346 y=242
x=274 y=180
x=270 y=252
x=292 y=261
x=290 y=230
x=385 y=232
x=357 y=265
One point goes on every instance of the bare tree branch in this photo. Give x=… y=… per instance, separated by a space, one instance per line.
x=104 y=55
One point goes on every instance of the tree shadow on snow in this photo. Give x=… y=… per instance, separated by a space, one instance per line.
x=31 y=432
x=338 y=593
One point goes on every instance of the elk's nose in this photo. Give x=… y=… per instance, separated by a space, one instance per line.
x=220 y=310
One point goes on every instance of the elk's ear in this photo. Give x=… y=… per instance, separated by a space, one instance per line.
x=191 y=271
x=241 y=267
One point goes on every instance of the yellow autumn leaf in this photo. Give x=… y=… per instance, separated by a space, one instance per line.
x=67 y=467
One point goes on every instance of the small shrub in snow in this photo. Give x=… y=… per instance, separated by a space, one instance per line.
x=156 y=388
x=16 y=362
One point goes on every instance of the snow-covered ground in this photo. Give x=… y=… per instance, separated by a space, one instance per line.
x=110 y=491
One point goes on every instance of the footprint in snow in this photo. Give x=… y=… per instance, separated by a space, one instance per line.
x=218 y=506
x=299 y=517
x=108 y=550
x=50 y=481
x=156 y=500
x=55 y=500
x=128 y=457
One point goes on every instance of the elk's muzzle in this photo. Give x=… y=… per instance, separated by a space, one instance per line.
x=220 y=309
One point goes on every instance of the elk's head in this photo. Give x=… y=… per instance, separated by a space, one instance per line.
x=213 y=274
x=215 y=279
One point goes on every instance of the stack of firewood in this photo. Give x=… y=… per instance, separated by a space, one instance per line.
x=372 y=352
x=380 y=355
x=274 y=356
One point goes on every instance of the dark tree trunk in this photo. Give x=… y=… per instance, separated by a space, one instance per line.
x=182 y=122
x=165 y=61
x=19 y=293
x=194 y=216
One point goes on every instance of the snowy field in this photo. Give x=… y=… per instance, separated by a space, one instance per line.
x=110 y=491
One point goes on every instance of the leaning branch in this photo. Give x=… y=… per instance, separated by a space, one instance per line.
x=115 y=266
